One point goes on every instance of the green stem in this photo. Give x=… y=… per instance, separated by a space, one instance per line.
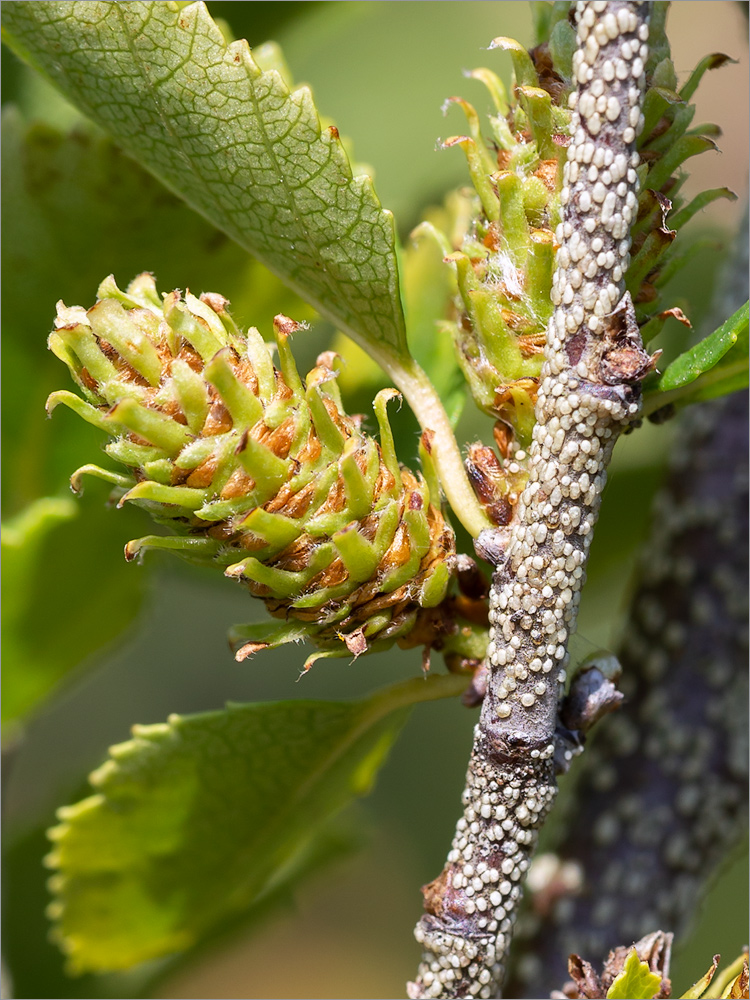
x=420 y=394
x=416 y=690
x=425 y=403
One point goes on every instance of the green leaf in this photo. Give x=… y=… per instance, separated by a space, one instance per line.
x=712 y=61
x=199 y=818
x=37 y=964
x=708 y=353
x=22 y=539
x=59 y=608
x=715 y=367
x=701 y=201
x=635 y=982
x=25 y=679
x=233 y=141
x=429 y=286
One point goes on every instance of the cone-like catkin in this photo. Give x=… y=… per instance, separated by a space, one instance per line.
x=504 y=265
x=254 y=468
x=505 y=258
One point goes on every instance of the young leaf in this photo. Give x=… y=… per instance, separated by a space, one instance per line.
x=196 y=819
x=635 y=982
x=708 y=353
x=233 y=141
x=716 y=366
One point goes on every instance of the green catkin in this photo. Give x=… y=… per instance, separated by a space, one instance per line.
x=255 y=470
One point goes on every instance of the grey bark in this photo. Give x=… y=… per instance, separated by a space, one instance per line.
x=663 y=794
x=588 y=394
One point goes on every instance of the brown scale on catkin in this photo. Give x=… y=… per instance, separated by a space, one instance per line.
x=588 y=394
x=662 y=794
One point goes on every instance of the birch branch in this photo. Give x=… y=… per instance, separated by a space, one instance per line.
x=662 y=796
x=588 y=394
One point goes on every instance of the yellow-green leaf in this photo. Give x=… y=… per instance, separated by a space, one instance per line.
x=197 y=819
x=708 y=353
x=635 y=982
x=699 y=988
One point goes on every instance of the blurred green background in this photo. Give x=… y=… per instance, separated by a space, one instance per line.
x=73 y=212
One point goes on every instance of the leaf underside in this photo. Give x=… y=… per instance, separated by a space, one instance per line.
x=233 y=141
